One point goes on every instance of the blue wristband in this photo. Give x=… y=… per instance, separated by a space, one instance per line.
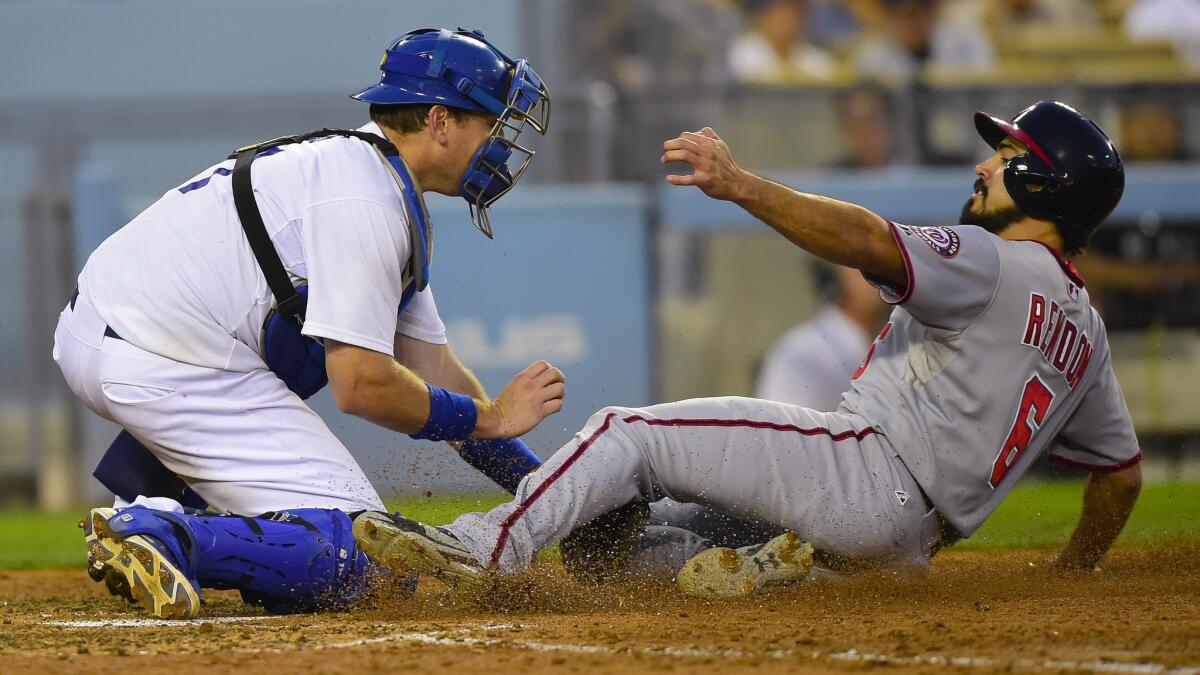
x=452 y=416
x=504 y=461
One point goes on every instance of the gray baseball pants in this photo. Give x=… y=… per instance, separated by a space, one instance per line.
x=830 y=477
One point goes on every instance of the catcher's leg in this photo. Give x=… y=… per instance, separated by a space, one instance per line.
x=297 y=561
x=241 y=440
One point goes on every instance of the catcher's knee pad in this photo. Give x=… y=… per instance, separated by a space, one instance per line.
x=287 y=561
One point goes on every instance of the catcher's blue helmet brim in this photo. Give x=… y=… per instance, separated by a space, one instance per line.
x=391 y=94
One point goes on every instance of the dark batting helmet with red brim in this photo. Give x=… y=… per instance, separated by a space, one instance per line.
x=1071 y=173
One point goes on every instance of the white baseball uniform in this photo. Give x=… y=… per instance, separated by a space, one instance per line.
x=812 y=363
x=182 y=290
x=992 y=356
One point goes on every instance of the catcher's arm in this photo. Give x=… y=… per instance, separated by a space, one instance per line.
x=1107 y=502
x=438 y=365
x=842 y=233
x=378 y=388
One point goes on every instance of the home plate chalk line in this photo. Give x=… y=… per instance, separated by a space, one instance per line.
x=157 y=623
x=850 y=656
x=461 y=638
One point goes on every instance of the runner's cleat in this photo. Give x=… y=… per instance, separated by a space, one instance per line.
x=142 y=565
x=408 y=547
x=728 y=573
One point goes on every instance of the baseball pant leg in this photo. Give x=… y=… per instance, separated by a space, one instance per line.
x=241 y=440
x=825 y=476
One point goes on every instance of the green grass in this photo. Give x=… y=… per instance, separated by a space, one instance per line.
x=39 y=540
x=1035 y=515
x=1042 y=515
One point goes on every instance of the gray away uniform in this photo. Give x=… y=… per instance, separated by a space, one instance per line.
x=992 y=355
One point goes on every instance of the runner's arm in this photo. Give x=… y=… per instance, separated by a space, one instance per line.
x=1107 y=502
x=842 y=233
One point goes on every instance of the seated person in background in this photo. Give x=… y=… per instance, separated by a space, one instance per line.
x=1004 y=16
x=811 y=364
x=1177 y=21
x=915 y=34
x=773 y=51
x=864 y=117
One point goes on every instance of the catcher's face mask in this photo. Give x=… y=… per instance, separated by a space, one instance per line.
x=488 y=177
x=461 y=69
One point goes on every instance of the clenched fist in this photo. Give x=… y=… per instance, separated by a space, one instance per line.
x=714 y=170
x=534 y=394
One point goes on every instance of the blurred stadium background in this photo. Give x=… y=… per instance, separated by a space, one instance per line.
x=639 y=291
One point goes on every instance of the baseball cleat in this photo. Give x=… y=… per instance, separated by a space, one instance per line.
x=728 y=573
x=409 y=547
x=100 y=551
x=137 y=564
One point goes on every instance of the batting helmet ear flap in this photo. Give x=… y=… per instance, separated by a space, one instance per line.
x=1034 y=187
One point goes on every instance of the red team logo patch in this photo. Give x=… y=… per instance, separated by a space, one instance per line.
x=942 y=240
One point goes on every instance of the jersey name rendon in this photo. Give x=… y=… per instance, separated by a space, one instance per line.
x=1060 y=341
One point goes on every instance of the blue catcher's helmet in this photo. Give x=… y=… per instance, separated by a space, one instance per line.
x=461 y=69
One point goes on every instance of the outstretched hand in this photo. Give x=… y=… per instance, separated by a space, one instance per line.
x=534 y=394
x=714 y=170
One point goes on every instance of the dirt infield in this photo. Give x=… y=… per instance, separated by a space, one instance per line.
x=975 y=611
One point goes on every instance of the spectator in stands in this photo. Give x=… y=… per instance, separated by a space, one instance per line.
x=640 y=46
x=811 y=365
x=833 y=24
x=1177 y=21
x=773 y=50
x=915 y=35
x=634 y=51
x=1152 y=132
x=864 y=118
x=1003 y=16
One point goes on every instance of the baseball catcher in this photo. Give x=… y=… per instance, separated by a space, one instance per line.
x=201 y=326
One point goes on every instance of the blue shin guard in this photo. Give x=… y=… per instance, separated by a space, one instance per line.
x=288 y=561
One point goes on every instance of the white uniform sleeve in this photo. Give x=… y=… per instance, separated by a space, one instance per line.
x=355 y=253
x=798 y=372
x=1099 y=435
x=420 y=319
x=953 y=274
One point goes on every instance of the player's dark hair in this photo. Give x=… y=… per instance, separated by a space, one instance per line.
x=410 y=117
x=1074 y=237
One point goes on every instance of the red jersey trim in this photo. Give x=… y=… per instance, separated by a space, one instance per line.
x=1067 y=266
x=908 y=268
x=1095 y=468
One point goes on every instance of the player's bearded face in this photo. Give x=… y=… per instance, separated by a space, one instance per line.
x=995 y=219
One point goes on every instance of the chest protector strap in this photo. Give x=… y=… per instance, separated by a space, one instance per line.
x=297 y=359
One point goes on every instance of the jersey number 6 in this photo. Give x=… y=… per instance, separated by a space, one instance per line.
x=1035 y=401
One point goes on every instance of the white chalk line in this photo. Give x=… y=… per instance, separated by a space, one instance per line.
x=849 y=656
x=157 y=623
